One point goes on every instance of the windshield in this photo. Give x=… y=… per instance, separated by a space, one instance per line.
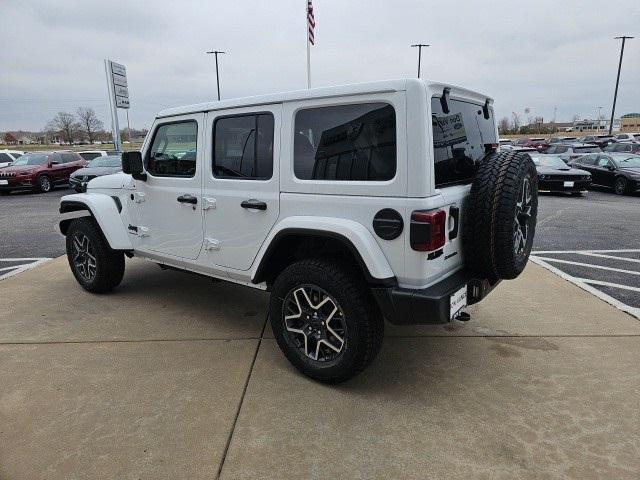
x=30 y=159
x=629 y=162
x=550 y=161
x=109 y=161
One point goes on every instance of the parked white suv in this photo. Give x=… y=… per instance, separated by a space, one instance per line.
x=350 y=204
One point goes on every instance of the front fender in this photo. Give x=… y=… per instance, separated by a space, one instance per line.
x=355 y=233
x=104 y=209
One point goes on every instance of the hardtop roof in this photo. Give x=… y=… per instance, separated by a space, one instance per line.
x=384 y=86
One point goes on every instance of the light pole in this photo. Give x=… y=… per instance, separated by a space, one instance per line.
x=419 y=45
x=216 y=52
x=615 y=95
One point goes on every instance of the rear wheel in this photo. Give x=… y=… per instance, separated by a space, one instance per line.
x=44 y=184
x=95 y=265
x=324 y=320
x=620 y=186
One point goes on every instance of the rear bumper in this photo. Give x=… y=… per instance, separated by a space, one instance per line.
x=404 y=306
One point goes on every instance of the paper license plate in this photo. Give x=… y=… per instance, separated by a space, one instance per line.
x=568 y=184
x=457 y=301
x=4 y=182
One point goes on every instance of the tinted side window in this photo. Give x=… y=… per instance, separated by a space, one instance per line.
x=345 y=142
x=5 y=158
x=243 y=147
x=173 y=151
x=56 y=157
x=561 y=149
x=69 y=157
x=460 y=140
x=604 y=161
x=89 y=156
x=588 y=160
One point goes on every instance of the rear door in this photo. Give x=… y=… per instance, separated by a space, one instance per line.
x=241 y=189
x=461 y=138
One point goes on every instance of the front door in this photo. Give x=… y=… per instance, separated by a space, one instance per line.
x=602 y=174
x=168 y=204
x=240 y=184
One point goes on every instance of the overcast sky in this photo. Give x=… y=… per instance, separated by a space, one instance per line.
x=536 y=54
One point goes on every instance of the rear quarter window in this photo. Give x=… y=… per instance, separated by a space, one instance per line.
x=345 y=142
x=460 y=140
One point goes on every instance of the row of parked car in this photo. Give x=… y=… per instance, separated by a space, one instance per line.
x=43 y=171
x=570 y=164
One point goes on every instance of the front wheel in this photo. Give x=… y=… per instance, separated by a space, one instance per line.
x=324 y=320
x=620 y=187
x=97 y=268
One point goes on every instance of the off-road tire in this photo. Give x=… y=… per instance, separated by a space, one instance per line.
x=620 y=186
x=489 y=230
x=109 y=264
x=364 y=323
x=44 y=184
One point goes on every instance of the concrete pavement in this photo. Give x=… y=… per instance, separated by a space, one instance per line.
x=173 y=376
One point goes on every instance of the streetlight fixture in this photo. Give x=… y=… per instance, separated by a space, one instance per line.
x=615 y=95
x=216 y=52
x=419 y=45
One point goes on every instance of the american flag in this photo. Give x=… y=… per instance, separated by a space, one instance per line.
x=311 y=22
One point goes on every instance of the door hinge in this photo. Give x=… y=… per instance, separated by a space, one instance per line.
x=211 y=244
x=208 y=203
x=138 y=197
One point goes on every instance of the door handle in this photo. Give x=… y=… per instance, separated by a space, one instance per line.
x=188 y=199
x=254 y=204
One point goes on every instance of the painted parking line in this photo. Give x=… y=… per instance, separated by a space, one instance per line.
x=19 y=265
x=590 y=284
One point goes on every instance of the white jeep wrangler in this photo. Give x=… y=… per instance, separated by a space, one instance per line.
x=351 y=204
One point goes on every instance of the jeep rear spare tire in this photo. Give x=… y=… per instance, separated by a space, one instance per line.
x=500 y=218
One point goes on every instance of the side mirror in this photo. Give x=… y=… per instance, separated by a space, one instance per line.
x=611 y=168
x=53 y=162
x=132 y=164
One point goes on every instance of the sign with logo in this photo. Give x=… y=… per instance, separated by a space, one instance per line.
x=448 y=130
x=118 y=75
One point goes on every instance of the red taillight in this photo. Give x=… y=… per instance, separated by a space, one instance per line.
x=428 y=230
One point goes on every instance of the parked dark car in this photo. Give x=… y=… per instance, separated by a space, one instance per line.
x=623 y=147
x=618 y=171
x=570 y=152
x=95 y=168
x=39 y=171
x=539 y=144
x=600 y=140
x=556 y=176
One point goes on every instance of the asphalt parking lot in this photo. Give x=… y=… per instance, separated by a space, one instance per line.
x=172 y=376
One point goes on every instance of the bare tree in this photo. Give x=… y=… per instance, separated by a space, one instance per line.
x=65 y=125
x=515 y=120
x=503 y=125
x=89 y=122
x=9 y=138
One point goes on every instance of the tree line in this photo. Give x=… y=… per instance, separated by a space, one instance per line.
x=84 y=124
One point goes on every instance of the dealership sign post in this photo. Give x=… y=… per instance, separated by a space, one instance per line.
x=118 y=96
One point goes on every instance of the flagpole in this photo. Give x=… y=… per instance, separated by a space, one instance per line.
x=306 y=17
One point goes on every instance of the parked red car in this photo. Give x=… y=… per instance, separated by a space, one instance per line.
x=39 y=171
x=539 y=144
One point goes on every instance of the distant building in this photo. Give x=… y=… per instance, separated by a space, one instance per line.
x=630 y=122
x=600 y=125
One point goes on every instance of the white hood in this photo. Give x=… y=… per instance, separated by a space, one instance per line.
x=113 y=181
